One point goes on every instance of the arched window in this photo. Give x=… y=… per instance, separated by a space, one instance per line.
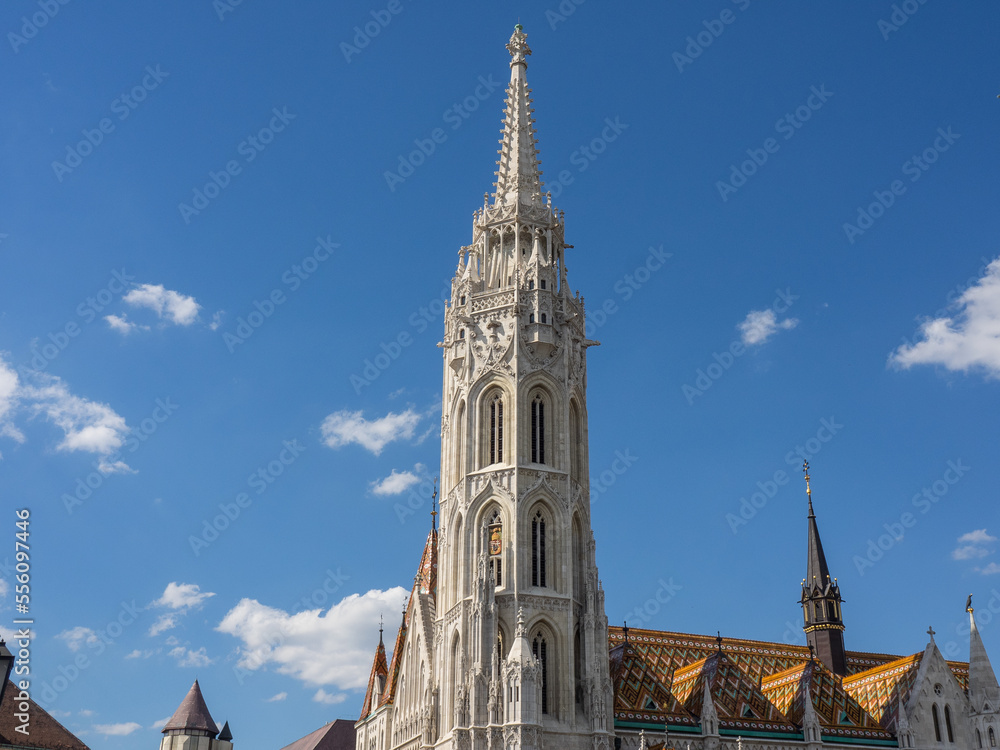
x=461 y=333
x=937 y=723
x=993 y=738
x=494 y=544
x=531 y=317
x=818 y=610
x=495 y=426
x=544 y=318
x=531 y=283
x=979 y=738
x=537 y=429
x=540 y=650
x=538 y=565
x=947 y=723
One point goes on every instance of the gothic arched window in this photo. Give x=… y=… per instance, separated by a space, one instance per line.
x=539 y=648
x=993 y=738
x=538 y=563
x=979 y=738
x=494 y=545
x=947 y=723
x=937 y=723
x=495 y=428
x=538 y=429
x=818 y=610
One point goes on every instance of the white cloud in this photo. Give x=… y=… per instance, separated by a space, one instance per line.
x=277 y=697
x=87 y=425
x=760 y=325
x=335 y=647
x=967 y=340
x=187 y=658
x=59 y=714
x=159 y=724
x=117 y=730
x=123 y=325
x=973 y=545
x=4 y=588
x=969 y=551
x=397 y=482
x=9 y=401
x=144 y=654
x=183 y=596
x=85 y=712
x=329 y=699
x=990 y=570
x=176 y=307
x=163 y=623
x=979 y=536
x=346 y=427
x=77 y=637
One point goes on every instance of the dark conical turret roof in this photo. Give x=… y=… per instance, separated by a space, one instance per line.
x=225 y=735
x=817 y=572
x=192 y=714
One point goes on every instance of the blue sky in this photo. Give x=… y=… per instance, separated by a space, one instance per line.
x=222 y=258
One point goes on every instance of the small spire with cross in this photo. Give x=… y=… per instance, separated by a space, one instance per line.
x=718 y=640
x=434 y=511
x=809 y=492
x=930 y=632
x=625 y=630
x=812 y=652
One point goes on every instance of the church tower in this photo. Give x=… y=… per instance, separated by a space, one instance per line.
x=521 y=658
x=824 y=624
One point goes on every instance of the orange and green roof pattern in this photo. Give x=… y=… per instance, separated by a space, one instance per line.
x=658 y=678
x=738 y=700
x=838 y=712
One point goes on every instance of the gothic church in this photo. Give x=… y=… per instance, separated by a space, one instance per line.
x=504 y=642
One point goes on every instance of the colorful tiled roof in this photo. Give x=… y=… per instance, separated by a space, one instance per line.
x=380 y=669
x=658 y=678
x=838 y=712
x=738 y=699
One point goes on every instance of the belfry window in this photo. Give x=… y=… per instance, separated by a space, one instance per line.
x=537 y=430
x=993 y=738
x=544 y=319
x=539 y=649
x=543 y=283
x=494 y=546
x=538 y=550
x=461 y=333
x=531 y=317
x=531 y=283
x=818 y=610
x=495 y=429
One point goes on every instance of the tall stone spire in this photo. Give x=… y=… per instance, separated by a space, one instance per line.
x=821 y=612
x=984 y=692
x=518 y=177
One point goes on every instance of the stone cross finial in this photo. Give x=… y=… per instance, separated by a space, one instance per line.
x=518 y=46
x=930 y=632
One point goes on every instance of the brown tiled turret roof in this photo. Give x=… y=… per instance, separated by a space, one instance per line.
x=192 y=714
